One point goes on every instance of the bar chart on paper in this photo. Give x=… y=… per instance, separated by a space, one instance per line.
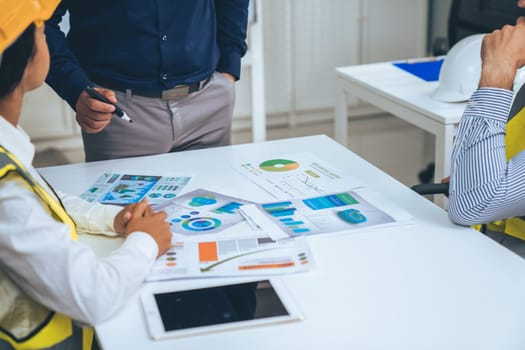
x=350 y=210
x=284 y=212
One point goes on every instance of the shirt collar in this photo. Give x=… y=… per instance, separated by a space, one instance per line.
x=16 y=141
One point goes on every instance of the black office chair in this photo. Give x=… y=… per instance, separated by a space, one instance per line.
x=467 y=17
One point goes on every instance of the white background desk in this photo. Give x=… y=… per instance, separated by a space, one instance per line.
x=403 y=95
x=431 y=285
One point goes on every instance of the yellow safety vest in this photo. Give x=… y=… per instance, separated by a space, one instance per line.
x=24 y=323
x=515 y=143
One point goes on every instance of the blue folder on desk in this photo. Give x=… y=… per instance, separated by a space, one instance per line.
x=426 y=70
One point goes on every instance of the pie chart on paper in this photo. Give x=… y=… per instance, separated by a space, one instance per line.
x=279 y=165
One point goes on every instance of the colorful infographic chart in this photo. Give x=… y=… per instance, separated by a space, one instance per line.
x=296 y=176
x=124 y=189
x=202 y=212
x=325 y=214
x=279 y=165
x=199 y=219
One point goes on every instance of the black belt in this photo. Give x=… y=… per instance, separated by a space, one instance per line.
x=177 y=92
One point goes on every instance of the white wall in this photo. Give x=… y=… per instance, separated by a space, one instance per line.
x=304 y=40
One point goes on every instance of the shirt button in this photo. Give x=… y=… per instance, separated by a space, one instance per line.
x=164 y=76
x=164 y=38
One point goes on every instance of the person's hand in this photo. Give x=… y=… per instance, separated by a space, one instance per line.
x=123 y=217
x=93 y=115
x=229 y=76
x=502 y=53
x=445 y=180
x=145 y=220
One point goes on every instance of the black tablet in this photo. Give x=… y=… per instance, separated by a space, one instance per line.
x=184 y=312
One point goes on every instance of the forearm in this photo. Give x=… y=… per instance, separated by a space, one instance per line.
x=232 y=21
x=90 y=217
x=483 y=186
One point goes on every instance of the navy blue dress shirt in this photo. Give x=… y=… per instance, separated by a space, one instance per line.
x=147 y=45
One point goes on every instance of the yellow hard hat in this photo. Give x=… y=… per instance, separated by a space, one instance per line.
x=17 y=15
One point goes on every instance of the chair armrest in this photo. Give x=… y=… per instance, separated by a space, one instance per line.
x=433 y=188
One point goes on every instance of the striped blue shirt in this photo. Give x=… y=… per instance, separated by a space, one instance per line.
x=484 y=187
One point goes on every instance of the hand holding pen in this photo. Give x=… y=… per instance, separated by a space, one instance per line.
x=95 y=108
x=98 y=96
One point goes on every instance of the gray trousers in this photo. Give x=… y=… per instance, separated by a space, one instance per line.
x=199 y=120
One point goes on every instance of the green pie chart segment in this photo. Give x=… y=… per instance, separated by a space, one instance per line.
x=279 y=165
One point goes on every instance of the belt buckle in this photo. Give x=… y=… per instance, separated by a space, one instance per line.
x=175 y=93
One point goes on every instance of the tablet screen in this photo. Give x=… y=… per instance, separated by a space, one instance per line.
x=218 y=305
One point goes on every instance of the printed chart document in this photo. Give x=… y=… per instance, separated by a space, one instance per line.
x=212 y=238
x=201 y=213
x=296 y=176
x=124 y=189
x=251 y=255
x=350 y=210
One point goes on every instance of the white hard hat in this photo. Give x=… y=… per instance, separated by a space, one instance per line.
x=461 y=70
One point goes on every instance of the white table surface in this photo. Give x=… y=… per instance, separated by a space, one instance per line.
x=404 y=95
x=430 y=285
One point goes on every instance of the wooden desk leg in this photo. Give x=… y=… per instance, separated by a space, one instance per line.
x=443 y=154
x=341 y=114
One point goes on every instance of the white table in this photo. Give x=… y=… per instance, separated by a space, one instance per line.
x=403 y=95
x=430 y=285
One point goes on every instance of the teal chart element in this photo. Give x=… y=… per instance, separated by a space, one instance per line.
x=229 y=208
x=202 y=200
x=284 y=212
x=330 y=201
x=352 y=216
x=201 y=224
x=129 y=189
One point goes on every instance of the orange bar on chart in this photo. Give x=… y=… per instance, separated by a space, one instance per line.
x=267 y=266
x=208 y=252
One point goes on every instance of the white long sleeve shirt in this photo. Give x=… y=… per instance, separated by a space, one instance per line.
x=484 y=187
x=65 y=275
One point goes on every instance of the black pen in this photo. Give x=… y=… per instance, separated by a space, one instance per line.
x=98 y=96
